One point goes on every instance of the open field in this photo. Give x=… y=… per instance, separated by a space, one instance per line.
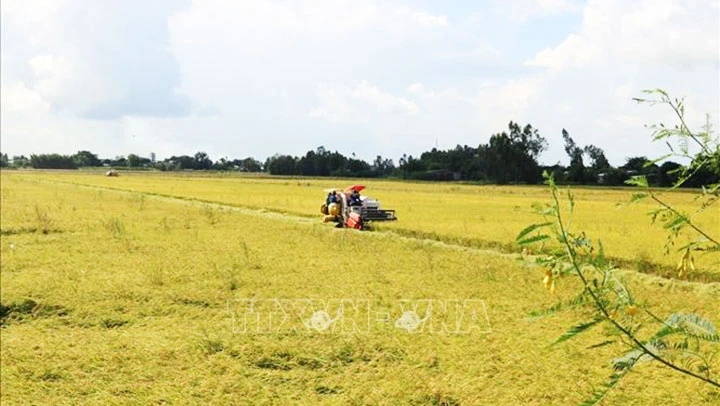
x=475 y=216
x=131 y=292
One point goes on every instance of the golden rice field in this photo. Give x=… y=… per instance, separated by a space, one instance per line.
x=135 y=290
x=475 y=216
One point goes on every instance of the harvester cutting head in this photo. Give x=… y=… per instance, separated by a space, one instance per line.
x=349 y=209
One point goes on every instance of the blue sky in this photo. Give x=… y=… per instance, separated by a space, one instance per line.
x=254 y=78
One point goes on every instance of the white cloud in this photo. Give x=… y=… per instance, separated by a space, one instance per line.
x=417 y=88
x=383 y=101
x=257 y=26
x=358 y=103
x=17 y=98
x=480 y=53
x=622 y=48
x=513 y=96
x=422 y=17
x=650 y=32
x=574 y=52
x=93 y=60
x=50 y=74
x=366 y=76
x=523 y=10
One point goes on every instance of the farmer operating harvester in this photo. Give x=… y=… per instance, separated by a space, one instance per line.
x=347 y=208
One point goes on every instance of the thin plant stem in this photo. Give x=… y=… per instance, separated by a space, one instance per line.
x=603 y=309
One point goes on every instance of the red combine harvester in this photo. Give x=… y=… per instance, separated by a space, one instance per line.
x=347 y=208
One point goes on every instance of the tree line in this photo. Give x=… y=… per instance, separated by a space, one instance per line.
x=508 y=157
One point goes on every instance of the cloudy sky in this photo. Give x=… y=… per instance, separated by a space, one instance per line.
x=243 y=78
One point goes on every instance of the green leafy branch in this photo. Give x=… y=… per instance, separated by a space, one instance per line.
x=685 y=343
x=680 y=133
x=612 y=302
x=709 y=158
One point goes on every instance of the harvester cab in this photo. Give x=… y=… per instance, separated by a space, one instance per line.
x=347 y=208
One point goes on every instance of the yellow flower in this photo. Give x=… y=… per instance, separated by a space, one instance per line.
x=549 y=282
x=686 y=262
x=631 y=310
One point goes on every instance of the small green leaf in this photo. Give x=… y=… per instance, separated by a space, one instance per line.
x=629 y=359
x=599 y=394
x=637 y=181
x=532 y=240
x=600 y=258
x=602 y=344
x=694 y=326
x=677 y=221
x=656 y=160
x=543 y=210
x=577 y=329
x=577 y=301
x=549 y=179
x=529 y=229
x=571 y=199
x=638 y=197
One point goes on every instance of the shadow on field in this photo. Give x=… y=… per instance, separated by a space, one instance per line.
x=28 y=309
x=28 y=230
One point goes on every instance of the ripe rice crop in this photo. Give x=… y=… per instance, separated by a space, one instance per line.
x=131 y=291
x=471 y=215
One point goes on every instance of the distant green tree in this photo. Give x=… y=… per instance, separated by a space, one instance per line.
x=179 y=163
x=223 y=164
x=635 y=164
x=669 y=173
x=248 y=165
x=512 y=156
x=4 y=161
x=312 y=164
x=134 y=161
x=118 y=161
x=615 y=177
x=163 y=166
x=410 y=166
x=53 y=161
x=577 y=167
x=705 y=168
x=202 y=161
x=640 y=165
x=336 y=163
x=282 y=165
x=20 y=161
x=359 y=168
x=598 y=161
x=383 y=167
x=87 y=158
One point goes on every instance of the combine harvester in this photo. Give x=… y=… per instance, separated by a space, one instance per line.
x=347 y=208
